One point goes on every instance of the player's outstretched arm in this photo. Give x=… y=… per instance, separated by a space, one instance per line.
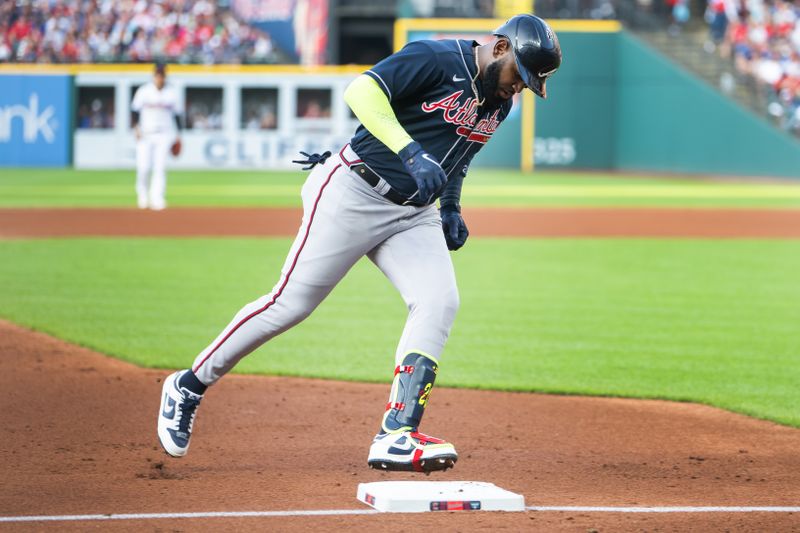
x=373 y=109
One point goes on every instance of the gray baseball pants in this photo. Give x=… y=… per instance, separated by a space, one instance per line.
x=344 y=219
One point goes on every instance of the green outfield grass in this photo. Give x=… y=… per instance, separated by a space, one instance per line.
x=708 y=321
x=84 y=188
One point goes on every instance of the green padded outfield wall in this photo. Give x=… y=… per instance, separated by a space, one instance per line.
x=668 y=120
x=616 y=103
x=575 y=126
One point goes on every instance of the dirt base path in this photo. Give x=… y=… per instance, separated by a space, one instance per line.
x=483 y=222
x=77 y=436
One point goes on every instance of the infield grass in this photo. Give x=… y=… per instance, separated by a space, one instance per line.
x=714 y=322
x=114 y=188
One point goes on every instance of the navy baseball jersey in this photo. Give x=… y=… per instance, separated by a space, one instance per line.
x=435 y=92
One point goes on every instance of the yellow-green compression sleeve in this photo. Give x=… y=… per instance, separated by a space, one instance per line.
x=373 y=109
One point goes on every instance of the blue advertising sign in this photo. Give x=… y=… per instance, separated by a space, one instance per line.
x=35 y=120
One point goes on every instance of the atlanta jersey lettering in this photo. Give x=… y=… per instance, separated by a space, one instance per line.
x=435 y=92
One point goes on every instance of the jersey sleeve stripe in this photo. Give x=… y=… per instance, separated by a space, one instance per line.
x=380 y=80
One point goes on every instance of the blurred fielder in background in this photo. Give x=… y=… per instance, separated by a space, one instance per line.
x=155 y=120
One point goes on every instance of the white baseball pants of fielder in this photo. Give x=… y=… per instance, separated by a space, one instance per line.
x=151 y=175
x=344 y=219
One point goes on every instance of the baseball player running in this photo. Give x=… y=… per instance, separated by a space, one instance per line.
x=425 y=112
x=155 y=117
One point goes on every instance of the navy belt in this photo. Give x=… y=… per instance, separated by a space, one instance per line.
x=373 y=180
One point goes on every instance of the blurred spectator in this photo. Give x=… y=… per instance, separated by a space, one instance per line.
x=680 y=15
x=95 y=108
x=763 y=42
x=313 y=103
x=79 y=31
x=203 y=108
x=263 y=118
x=717 y=18
x=314 y=109
x=259 y=109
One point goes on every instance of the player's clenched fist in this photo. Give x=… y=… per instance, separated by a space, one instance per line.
x=425 y=169
x=454 y=227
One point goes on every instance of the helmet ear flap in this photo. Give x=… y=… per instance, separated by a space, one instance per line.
x=537 y=85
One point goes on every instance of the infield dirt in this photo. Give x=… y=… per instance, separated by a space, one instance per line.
x=77 y=436
x=482 y=222
x=77 y=429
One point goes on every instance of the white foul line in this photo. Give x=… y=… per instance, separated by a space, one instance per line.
x=666 y=509
x=347 y=512
x=157 y=516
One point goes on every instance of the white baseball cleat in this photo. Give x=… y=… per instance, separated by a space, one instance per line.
x=176 y=415
x=410 y=451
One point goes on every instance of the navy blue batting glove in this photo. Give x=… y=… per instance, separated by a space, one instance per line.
x=455 y=230
x=425 y=169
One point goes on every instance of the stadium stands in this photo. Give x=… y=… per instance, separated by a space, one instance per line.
x=762 y=39
x=759 y=38
x=97 y=31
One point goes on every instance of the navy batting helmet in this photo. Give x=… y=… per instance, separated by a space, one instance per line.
x=536 y=49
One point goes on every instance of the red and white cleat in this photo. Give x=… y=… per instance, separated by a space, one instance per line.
x=410 y=451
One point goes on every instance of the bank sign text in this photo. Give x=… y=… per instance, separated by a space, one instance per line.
x=35 y=120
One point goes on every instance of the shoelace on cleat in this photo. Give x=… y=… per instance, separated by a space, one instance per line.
x=187 y=408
